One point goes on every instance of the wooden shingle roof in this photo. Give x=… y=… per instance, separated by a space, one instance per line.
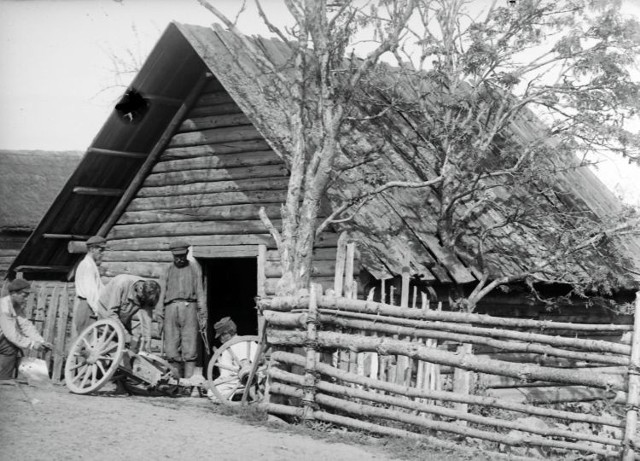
x=397 y=225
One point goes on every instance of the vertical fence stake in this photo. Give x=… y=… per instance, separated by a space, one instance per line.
x=309 y=388
x=633 y=392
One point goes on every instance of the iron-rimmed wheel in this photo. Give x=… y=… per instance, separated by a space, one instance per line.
x=239 y=364
x=94 y=357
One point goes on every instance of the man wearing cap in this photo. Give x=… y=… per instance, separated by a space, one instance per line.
x=88 y=284
x=16 y=332
x=235 y=361
x=183 y=311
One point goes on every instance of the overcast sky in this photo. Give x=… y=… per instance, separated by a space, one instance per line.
x=59 y=81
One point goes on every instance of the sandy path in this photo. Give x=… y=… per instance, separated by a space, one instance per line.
x=53 y=424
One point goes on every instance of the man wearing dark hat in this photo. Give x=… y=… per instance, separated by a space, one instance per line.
x=184 y=311
x=88 y=284
x=16 y=332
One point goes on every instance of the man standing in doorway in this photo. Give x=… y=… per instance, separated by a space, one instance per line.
x=184 y=311
x=16 y=332
x=88 y=284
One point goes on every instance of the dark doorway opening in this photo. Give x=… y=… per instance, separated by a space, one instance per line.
x=232 y=285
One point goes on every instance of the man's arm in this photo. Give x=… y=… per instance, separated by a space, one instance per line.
x=15 y=336
x=144 y=316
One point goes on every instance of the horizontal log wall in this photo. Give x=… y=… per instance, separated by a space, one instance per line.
x=207 y=187
x=366 y=327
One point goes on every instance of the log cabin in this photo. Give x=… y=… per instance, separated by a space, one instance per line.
x=206 y=149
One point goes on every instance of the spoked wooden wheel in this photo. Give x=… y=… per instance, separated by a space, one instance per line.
x=94 y=357
x=234 y=360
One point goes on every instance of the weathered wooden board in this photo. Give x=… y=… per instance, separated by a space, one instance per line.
x=189 y=228
x=215 y=109
x=221 y=198
x=263 y=184
x=162 y=243
x=177 y=153
x=213 y=98
x=214 y=121
x=62 y=337
x=212 y=175
x=326 y=240
x=217 y=213
x=210 y=162
x=216 y=135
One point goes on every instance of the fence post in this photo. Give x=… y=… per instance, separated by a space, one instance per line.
x=633 y=391
x=311 y=346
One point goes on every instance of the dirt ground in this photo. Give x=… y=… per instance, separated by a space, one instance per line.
x=49 y=423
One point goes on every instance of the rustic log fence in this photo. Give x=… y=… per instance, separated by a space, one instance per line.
x=326 y=391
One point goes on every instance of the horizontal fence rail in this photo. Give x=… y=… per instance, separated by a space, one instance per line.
x=330 y=353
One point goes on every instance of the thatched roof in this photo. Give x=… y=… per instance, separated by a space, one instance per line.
x=29 y=181
x=390 y=228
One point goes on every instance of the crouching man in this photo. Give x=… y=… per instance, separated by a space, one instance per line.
x=234 y=362
x=16 y=332
x=125 y=296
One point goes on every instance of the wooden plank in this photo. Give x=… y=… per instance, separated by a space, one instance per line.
x=404 y=294
x=61 y=338
x=213 y=213
x=39 y=314
x=99 y=191
x=216 y=109
x=66 y=236
x=214 y=121
x=216 y=135
x=189 y=228
x=321 y=268
x=42 y=268
x=186 y=153
x=262 y=184
x=217 y=199
x=142 y=269
x=348 y=270
x=341 y=254
x=51 y=311
x=262 y=257
x=48 y=330
x=214 y=160
x=215 y=174
x=117 y=153
x=229 y=251
x=319 y=254
x=213 y=98
x=159 y=146
x=162 y=243
x=270 y=284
